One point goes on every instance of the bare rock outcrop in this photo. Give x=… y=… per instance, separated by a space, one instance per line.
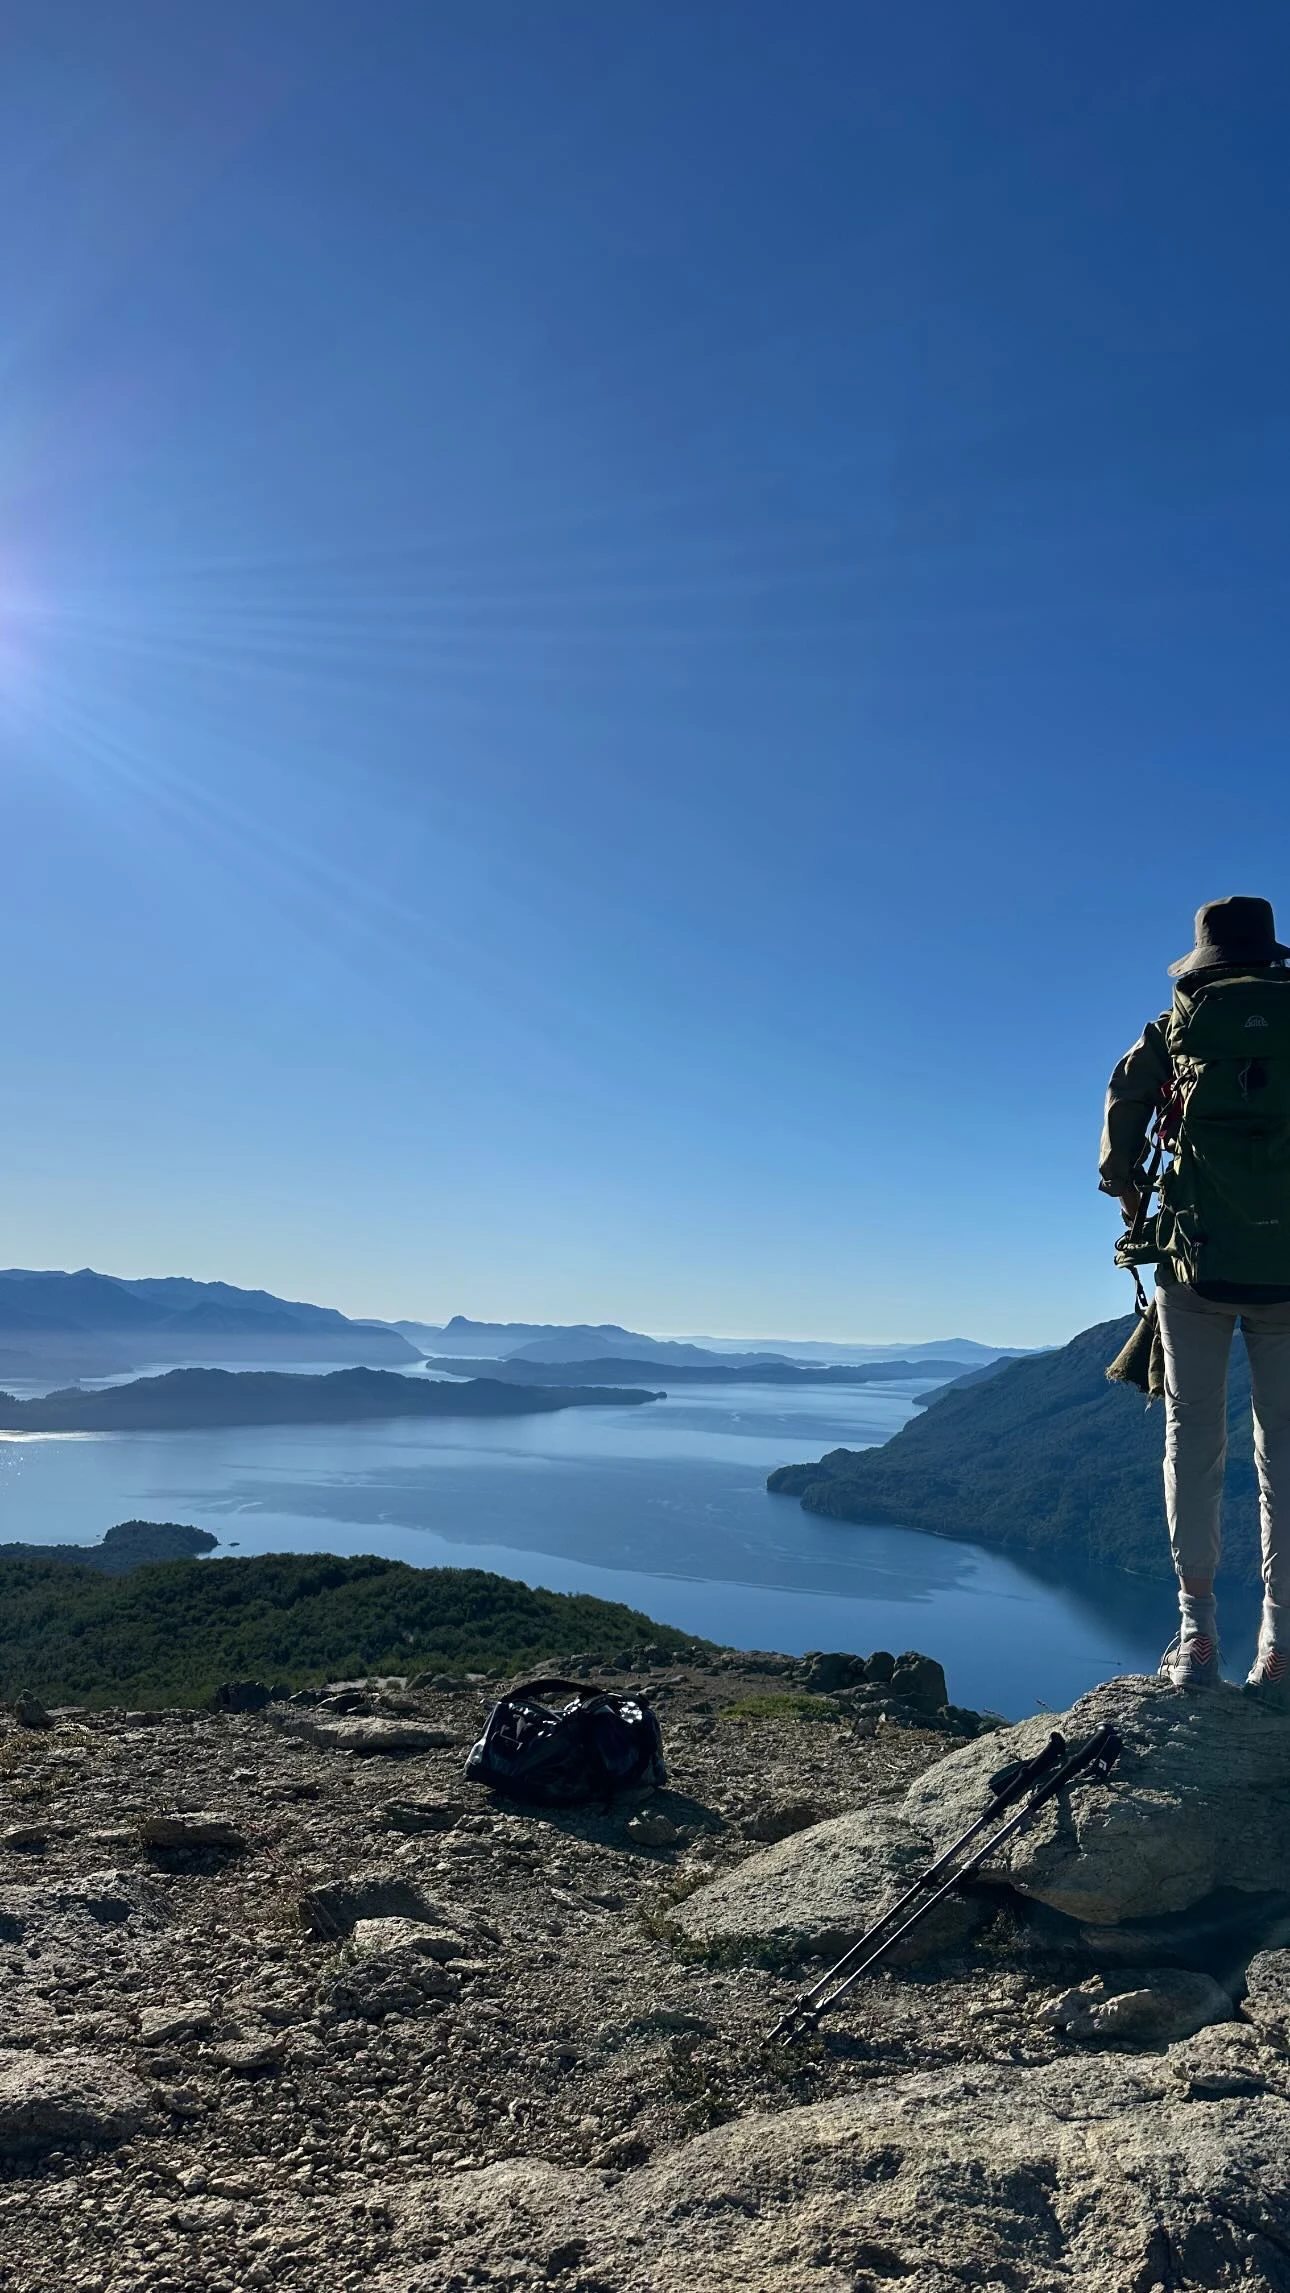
x=1106 y=2175
x=1199 y=1801
x=816 y=1892
x=478 y=2060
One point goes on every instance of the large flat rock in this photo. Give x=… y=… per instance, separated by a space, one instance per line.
x=816 y=1892
x=1200 y=1801
x=1106 y=2176
x=48 y=2100
x=61 y=1909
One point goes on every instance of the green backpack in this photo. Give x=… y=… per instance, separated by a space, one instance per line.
x=1225 y=1199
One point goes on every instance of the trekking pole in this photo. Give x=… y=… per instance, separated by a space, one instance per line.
x=1005 y=1787
x=1037 y=1781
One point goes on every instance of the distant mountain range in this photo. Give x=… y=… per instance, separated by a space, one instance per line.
x=597 y=1341
x=1043 y=1456
x=185 y=1399
x=546 y=1341
x=56 y=1325
x=966 y=1352
x=96 y=1325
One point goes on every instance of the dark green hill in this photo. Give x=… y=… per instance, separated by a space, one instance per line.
x=1045 y=1456
x=758 y=1370
x=170 y=1633
x=186 y=1398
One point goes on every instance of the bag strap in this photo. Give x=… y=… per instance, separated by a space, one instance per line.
x=535 y=1690
x=1148 y=1179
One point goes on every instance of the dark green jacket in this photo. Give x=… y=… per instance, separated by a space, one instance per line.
x=1131 y=1099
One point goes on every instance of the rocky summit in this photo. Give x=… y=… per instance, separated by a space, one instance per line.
x=287 y=2003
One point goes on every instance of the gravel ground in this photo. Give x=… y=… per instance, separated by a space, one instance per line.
x=203 y=2084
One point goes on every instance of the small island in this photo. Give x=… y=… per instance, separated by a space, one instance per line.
x=129 y=1545
x=187 y=1400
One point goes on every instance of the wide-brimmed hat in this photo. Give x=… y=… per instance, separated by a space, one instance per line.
x=1232 y=931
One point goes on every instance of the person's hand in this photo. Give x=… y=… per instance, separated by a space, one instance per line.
x=1129 y=1204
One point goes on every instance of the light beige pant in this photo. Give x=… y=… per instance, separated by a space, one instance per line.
x=1197 y=1338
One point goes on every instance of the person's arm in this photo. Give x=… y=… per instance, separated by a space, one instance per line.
x=1131 y=1099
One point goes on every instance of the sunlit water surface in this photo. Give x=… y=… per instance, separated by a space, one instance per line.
x=662 y=1505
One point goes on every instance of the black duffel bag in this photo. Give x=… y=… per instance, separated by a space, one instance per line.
x=559 y=1743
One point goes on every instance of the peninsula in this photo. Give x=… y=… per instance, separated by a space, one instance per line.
x=757 y=1370
x=1043 y=1456
x=187 y=1399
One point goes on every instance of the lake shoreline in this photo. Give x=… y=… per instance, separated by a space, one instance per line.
x=664 y=1508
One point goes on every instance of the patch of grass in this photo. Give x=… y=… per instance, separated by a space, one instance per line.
x=797 y=2067
x=656 y=1914
x=782 y=1704
x=698 y=2085
x=724 y=1954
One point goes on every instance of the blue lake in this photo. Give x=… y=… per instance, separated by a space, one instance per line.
x=662 y=1505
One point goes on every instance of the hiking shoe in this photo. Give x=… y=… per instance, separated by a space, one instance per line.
x=1269 y=1678
x=1191 y=1663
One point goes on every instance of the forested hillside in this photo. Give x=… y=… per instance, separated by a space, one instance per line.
x=169 y=1634
x=1044 y=1455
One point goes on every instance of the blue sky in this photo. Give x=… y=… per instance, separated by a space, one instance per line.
x=627 y=636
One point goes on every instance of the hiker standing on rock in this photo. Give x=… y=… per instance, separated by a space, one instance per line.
x=1212 y=1077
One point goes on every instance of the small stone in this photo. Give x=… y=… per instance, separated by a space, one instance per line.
x=181 y=1829
x=415 y=1815
x=24 y=1839
x=163 y=2025
x=1152 y=2006
x=621 y=2155
x=410 y=1935
x=251 y=2057
x=650 y=1830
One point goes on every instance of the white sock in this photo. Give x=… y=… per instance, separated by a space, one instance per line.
x=1274 y=1629
x=1199 y=1615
